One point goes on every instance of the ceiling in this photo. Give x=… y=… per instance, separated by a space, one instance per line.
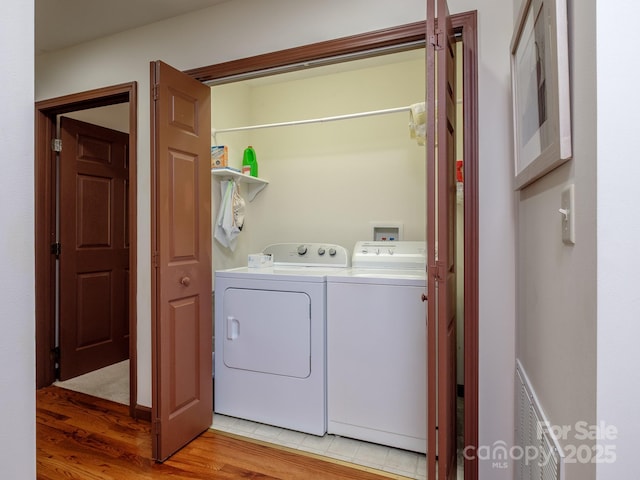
x=64 y=23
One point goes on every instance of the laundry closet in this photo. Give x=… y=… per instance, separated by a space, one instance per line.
x=328 y=184
x=327 y=181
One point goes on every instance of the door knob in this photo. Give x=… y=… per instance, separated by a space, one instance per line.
x=186 y=281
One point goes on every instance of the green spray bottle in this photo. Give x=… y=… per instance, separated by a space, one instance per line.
x=250 y=162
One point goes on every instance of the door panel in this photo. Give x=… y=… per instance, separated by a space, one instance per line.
x=181 y=279
x=441 y=202
x=94 y=260
x=446 y=317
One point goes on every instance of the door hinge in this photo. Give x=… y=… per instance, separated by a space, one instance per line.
x=436 y=40
x=55 y=352
x=155 y=428
x=56 y=249
x=438 y=270
x=154 y=259
x=433 y=271
x=56 y=144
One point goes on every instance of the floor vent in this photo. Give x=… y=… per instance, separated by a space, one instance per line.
x=539 y=455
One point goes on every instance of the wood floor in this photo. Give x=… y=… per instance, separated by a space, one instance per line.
x=83 y=437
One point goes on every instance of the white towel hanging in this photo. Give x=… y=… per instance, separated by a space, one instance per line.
x=230 y=219
x=417 y=123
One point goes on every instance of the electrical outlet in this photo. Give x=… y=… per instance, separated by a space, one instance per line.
x=567 y=210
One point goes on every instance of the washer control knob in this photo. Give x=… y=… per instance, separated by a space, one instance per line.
x=302 y=249
x=391 y=251
x=332 y=252
x=321 y=251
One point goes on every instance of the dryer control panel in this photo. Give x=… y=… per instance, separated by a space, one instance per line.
x=308 y=254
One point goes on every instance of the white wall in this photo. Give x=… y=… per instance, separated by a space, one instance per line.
x=115 y=117
x=17 y=345
x=557 y=282
x=618 y=231
x=497 y=232
x=328 y=181
x=231 y=105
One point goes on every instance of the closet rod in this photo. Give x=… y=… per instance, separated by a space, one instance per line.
x=313 y=120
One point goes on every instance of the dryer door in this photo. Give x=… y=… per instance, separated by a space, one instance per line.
x=267 y=331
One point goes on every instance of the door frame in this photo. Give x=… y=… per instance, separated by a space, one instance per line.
x=46 y=112
x=465 y=26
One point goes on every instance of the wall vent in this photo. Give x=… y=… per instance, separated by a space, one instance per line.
x=539 y=456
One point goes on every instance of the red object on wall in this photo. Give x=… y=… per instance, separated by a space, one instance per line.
x=459 y=171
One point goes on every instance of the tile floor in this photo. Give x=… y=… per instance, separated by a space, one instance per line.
x=395 y=462
x=110 y=383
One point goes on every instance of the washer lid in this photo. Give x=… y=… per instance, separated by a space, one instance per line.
x=395 y=254
x=408 y=277
x=277 y=273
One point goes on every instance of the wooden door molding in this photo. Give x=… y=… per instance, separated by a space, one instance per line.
x=465 y=26
x=45 y=131
x=330 y=49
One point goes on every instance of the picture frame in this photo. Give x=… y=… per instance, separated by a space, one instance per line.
x=540 y=90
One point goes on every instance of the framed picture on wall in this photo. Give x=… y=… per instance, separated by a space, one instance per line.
x=540 y=90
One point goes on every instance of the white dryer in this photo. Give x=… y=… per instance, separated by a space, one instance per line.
x=270 y=337
x=376 y=346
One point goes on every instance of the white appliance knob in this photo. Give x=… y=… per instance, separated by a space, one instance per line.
x=321 y=251
x=377 y=251
x=332 y=251
x=391 y=251
x=302 y=249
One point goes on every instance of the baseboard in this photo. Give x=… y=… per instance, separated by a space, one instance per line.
x=142 y=413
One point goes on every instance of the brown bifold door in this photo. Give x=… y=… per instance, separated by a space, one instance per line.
x=181 y=259
x=441 y=203
x=94 y=252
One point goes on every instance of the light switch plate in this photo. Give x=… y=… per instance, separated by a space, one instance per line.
x=567 y=210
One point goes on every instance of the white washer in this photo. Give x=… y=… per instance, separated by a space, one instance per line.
x=376 y=346
x=270 y=337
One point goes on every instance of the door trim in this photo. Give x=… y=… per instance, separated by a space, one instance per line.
x=45 y=130
x=465 y=25
x=379 y=39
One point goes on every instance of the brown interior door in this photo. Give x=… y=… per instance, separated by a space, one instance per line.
x=94 y=259
x=181 y=258
x=441 y=202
